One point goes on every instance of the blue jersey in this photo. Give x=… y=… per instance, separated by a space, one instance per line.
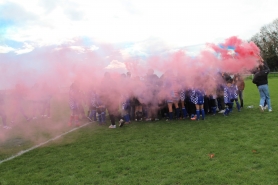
x=182 y=95
x=233 y=90
x=172 y=87
x=125 y=103
x=197 y=97
x=93 y=99
x=227 y=94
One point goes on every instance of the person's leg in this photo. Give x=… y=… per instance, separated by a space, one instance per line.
x=227 y=109
x=198 y=111
x=206 y=104
x=267 y=96
x=262 y=97
x=170 y=108
x=240 y=95
x=237 y=105
x=192 y=109
x=222 y=102
x=231 y=105
x=184 y=112
x=177 y=109
x=212 y=103
x=202 y=111
x=112 y=114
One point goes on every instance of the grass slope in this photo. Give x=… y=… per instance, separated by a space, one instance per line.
x=243 y=147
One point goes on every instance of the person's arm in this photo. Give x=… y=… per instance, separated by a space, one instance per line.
x=265 y=67
x=255 y=78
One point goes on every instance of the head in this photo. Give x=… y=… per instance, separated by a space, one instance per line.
x=128 y=74
x=260 y=67
x=229 y=82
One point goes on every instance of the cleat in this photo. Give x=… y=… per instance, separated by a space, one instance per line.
x=261 y=108
x=112 y=126
x=194 y=118
x=121 y=123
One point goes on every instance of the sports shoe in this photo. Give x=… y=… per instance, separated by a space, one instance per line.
x=194 y=117
x=222 y=111
x=265 y=107
x=261 y=108
x=112 y=126
x=121 y=123
x=270 y=110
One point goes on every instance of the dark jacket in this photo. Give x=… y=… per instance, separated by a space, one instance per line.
x=260 y=78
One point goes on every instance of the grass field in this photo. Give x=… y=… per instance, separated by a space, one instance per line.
x=239 y=149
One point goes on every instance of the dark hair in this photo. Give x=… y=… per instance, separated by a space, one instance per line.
x=261 y=67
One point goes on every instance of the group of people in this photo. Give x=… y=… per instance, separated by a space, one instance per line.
x=151 y=97
x=141 y=98
x=38 y=97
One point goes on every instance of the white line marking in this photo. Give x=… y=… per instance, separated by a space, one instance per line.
x=41 y=144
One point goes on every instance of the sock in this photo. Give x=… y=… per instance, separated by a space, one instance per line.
x=178 y=113
x=198 y=114
x=99 y=117
x=203 y=113
x=227 y=111
x=170 y=115
x=231 y=106
x=102 y=117
x=184 y=112
x=213 y=110
x=127 y=118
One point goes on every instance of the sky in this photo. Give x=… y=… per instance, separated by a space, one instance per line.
x=31 y=31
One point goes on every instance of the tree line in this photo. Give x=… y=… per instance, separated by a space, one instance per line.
x=267 y=41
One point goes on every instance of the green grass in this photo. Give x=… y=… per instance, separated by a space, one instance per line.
x=244 y=146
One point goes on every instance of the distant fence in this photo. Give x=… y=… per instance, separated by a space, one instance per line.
x=271 y=74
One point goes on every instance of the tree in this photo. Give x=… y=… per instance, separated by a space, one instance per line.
x=267 y=41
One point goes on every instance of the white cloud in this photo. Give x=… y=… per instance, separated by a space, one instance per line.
x=115 y=64
x=178 y=23
x=94 y=48
x=80 y=49
x=26 y=49
x=6 y=49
